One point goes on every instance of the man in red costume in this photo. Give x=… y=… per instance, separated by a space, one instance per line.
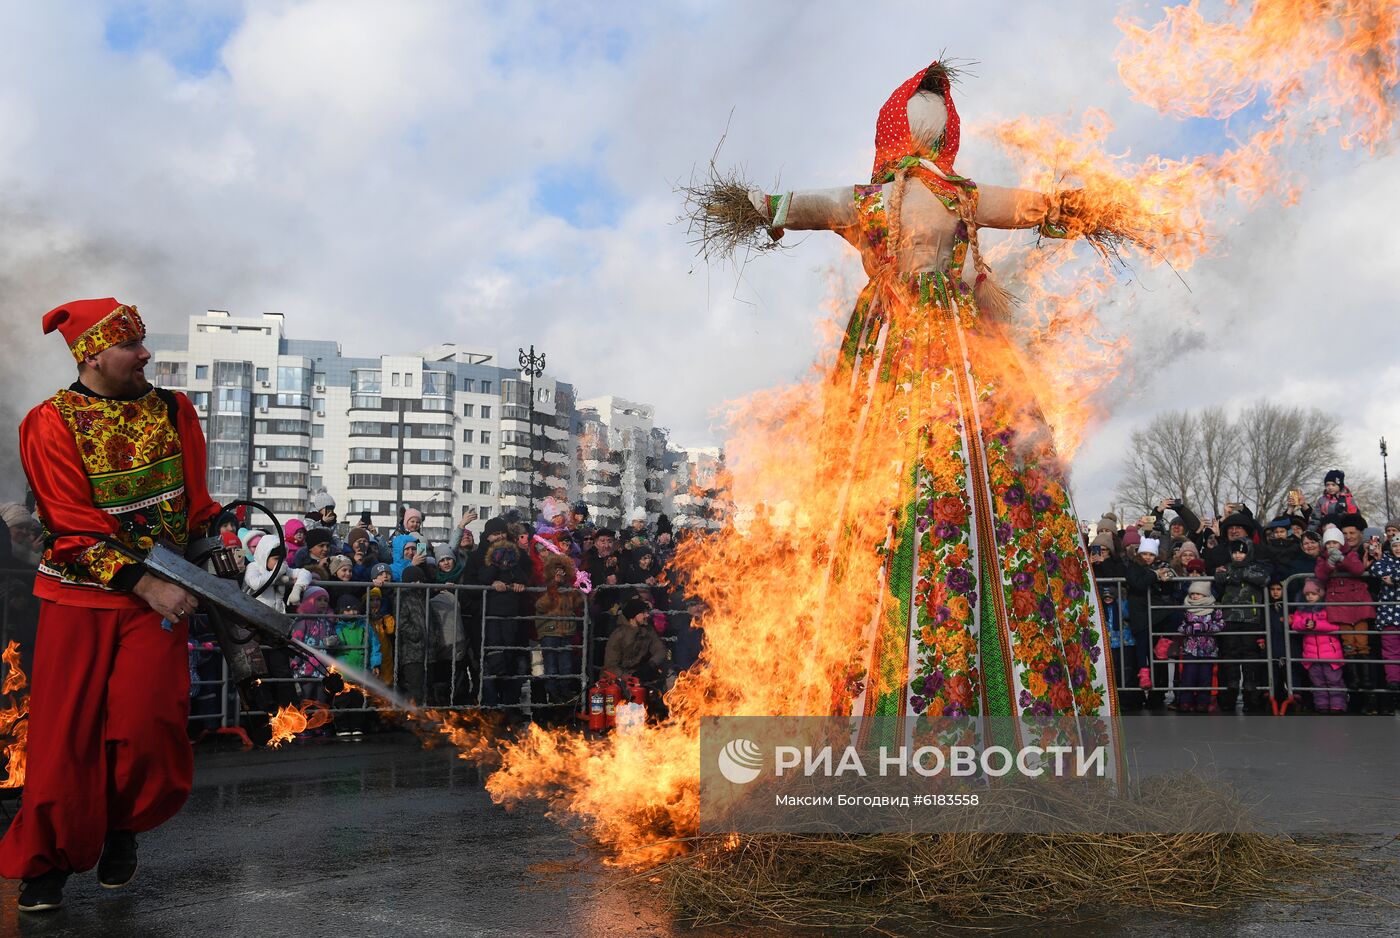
x=108 y=754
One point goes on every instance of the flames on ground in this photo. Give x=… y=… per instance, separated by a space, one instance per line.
x=292 y=719
x=14 y=717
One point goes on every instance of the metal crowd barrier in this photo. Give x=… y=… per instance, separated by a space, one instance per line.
x=1293 y=662
x=480 y=668
x=1281 y=668
x=519 y=672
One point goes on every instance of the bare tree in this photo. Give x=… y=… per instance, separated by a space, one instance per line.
x=1136 y=488
x=1219 y=450
x=1209 y=459
x=1369 y=495
x=1280 y=447
x=1171 y=448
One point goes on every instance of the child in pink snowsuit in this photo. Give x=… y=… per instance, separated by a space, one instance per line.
x=1322 y=652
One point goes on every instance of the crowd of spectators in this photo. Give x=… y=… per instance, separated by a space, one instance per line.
x=1203 y=614
x=393 y=602
x=1215 y=613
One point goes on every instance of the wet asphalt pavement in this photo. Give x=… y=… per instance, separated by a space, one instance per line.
x=381 y=838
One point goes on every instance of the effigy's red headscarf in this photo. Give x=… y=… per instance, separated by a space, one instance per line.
x=893 y=141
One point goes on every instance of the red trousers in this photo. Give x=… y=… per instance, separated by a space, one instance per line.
x=107 y=744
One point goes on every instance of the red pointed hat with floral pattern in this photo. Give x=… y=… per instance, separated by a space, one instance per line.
x=90 y=326
x=893 y=141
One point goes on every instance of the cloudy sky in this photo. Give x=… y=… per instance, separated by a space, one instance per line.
x=503 y=173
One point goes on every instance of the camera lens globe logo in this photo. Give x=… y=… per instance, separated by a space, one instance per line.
x=740 y=761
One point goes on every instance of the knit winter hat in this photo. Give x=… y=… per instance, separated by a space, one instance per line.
x=379 y=568
x=321 y=500
x=633 y=608
x=1103 y=539
x=552 y=508
x=1149 y=546
x=1335 y=475
x=638 y=514
x=1313 y=582
x=1312 y=536
x=495 y=526
x=1332 y=535
x=16 y=515
x=348 y=602
x=335 y=563
x=412 y=513
x=1189 y=547
x=1200 y=588
x=316 y=536
x=663 y=526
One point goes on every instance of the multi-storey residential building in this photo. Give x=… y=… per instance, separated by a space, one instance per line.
x=287 y=417
x=694 y=497
x=621 y=458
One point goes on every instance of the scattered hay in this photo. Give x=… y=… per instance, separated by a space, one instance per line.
x=973 y=879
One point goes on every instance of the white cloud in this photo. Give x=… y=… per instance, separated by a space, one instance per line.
x=370 y=170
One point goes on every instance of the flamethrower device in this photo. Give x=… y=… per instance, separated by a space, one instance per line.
x=240 y=623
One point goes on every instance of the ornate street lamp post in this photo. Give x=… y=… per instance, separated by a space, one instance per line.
x=532 y=366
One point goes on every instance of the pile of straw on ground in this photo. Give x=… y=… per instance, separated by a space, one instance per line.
x=968 y=878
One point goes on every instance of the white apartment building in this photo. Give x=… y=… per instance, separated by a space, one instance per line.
x=621 y=459
x=287 y=417
x=693 y=480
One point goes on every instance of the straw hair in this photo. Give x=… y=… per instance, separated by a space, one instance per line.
x=721 y=221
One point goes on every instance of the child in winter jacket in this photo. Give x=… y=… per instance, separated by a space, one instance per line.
x=1199 y=650
x=287 y=592
x=317 y=629
x=1387 y=569
x=382 y=621
x=1322 y=652
x=359 y=646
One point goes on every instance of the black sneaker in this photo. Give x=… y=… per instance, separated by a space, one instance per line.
x=43 y=893
x=118 y=863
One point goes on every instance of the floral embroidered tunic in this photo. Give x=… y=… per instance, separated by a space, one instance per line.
x=131 y=469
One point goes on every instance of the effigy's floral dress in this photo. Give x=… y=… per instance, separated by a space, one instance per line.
x=987 y=608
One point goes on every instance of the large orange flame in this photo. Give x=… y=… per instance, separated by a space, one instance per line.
x=792 y=586
x=14 y=718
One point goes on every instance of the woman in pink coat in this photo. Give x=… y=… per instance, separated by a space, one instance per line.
x=1342 y=569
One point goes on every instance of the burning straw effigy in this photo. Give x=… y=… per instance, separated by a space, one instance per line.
x=943 y=572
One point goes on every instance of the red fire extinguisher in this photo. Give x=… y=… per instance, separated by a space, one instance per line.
x=612 y=696
x=595 y=707
x=636 y=691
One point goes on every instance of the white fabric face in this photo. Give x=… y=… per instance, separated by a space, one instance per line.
x=928 y=115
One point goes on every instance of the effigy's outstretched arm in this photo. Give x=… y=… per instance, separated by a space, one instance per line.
x=1070 y=213
x=807 y=209
x=1000 y=207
